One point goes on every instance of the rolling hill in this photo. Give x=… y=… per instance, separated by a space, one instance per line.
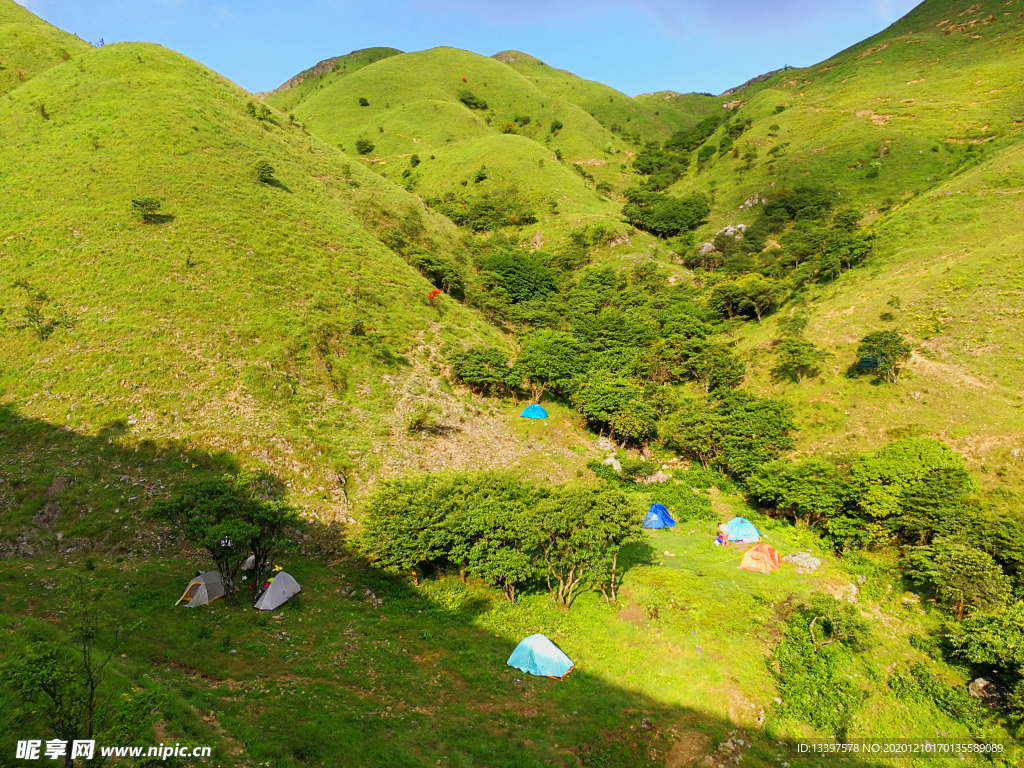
x=243 y=308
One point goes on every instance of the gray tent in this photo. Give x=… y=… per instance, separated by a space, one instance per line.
x=277 y=593
x=206 y=587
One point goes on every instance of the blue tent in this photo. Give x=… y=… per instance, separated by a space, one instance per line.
x=741 y=529
x=658 y=517
x=537 y=655
x=534 y=412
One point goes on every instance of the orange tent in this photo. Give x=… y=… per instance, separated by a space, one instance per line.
x=761 y=559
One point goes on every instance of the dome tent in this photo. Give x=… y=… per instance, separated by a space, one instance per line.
x=536 y=655
x=534 y=412
x=763 y=558
x=206 y=587
x=280 y=589
x=658 y=517
x=742 y=530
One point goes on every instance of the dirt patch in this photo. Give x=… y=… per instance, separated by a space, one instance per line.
x=946 y=372
x=689 y=747
x=873 y=49
x=634 y=614
x=877 y=119
x=591 y=162
x=919 y=80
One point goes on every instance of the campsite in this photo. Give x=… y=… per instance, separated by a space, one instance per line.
x=371 y=402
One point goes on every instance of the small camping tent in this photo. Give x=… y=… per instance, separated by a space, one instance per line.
x=742 y=530
x=658 y=517
x=536 y=655
x=763 y=558
x=534 y=412
x=206 y=587
x=280 y=588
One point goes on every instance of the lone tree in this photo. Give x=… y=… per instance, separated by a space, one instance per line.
x=364 y=146
x=231 y=517
x=263 y=171
x=549 y=360
x=798 y=359
x=363 y=102
x=66 y=685
x=889 y=349
x=147 y=209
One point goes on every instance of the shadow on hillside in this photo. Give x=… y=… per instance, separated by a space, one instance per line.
x=423 y=678
x=62 y=490
x=278 y=184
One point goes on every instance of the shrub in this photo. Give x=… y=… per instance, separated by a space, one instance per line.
x=471 y=100
x=364 y=146
x=423 y=419
x=556 y=126
x=263 y=171
x=363 y=102
x=147 y=209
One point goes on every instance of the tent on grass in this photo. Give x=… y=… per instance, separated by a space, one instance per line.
x=763 y=558
x=280 y=589
x=536 y=655
x=206 y=587
x=658 y=517
x=742 y=530
x=534 y=412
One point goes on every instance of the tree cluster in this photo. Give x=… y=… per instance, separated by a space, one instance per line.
x=508 y=533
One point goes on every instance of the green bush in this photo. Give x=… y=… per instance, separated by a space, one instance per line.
x=471 y=100
x=263 y=171
x=364 y=146
x=556 y=126
x=363 y=102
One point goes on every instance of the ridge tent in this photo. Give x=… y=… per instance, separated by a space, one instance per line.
x=536 y=655
x=763 y=558
x=742 y=530
x=534 y=412
x=280 y=589
x=658 y=517
x=206 y=587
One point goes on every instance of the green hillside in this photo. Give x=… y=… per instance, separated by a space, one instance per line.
x=633 y=119
x=28 y=46
x=883 y=121
x=303 y=84
x=414 y=106
x=303 y=326
x=244 y=309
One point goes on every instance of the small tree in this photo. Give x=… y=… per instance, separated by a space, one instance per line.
x=364 y=146
x=549 y=359
x=963 y=577
x=483 y=368
x=263 y=171
x=798 y=359
x=147 y=209
x=65 y=684
x=891 y=351
x=231 y=518
x=471 y=100
x=556 y=126
x=363 y=102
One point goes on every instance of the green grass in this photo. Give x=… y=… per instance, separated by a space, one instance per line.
x=365 y=665
x=28 y=46
x=264 y=319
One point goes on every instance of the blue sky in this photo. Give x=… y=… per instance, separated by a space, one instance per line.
x=636 y=47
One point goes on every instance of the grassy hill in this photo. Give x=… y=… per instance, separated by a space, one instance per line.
x=918 y=129
x=637 y=120
x=167 y=314
x=414 y=107
x=263 y=319
x=28 y=46
x=303 y=84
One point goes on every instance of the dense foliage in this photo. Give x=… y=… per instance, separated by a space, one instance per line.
x=507 y=532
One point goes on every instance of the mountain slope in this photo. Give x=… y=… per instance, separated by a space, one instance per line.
x=247 y=309
x=884 y=120
x=300 y=86
x=415 y=106
x=28 y=45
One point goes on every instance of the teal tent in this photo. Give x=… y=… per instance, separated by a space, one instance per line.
x=658 y=517
x=741 y=529
x=537 y=655
x=534 y=412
